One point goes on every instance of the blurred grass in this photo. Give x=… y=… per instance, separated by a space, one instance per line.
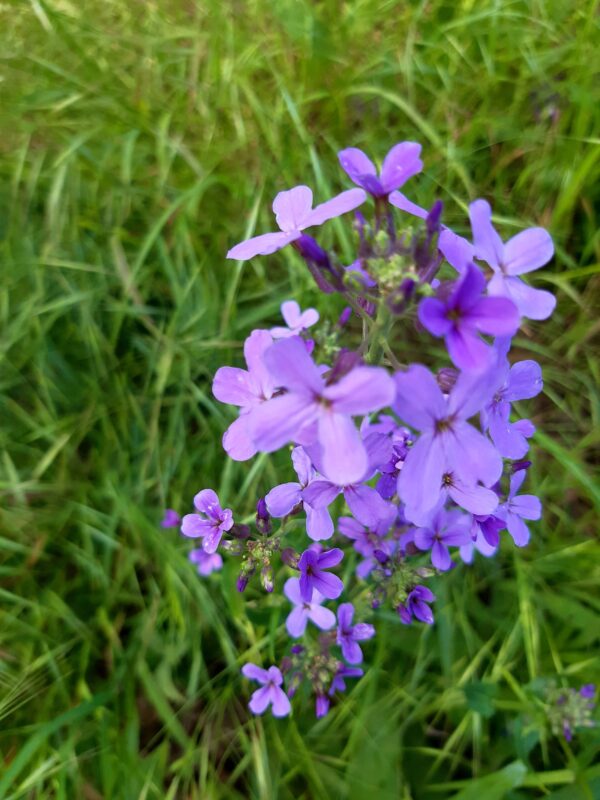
x=139 y=141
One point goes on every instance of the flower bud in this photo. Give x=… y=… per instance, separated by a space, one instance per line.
x=266 y=578
x=290 y=557
x=241 y=582
x=263 y=518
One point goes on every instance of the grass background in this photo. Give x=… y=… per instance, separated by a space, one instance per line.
x=138 y=141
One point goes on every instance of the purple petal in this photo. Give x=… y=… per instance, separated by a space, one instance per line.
x=433 y=315
x=362 y=631
x=497 y=316
x=291 y=589
x=366 y=504
x=212 y=540
x=306 y=587
x=527 y=506
x=193 y=527
x=292 y=207
x=279 y=421
x=440 y=557
x=296 y=621
x=290 y=311
x=467 y=350
x=471 y=392
x=423 y=538
x=260 y=700
x=262 y=245
x=474 y=498
x=237 y=442
x=527 y=251
x=516 y=481
x=323 y=618
x=255 y=673
x=404 y=204
x=207 y=502
x=488 y=245
x=330 y=558
x=356 y=164
x=234 y=386
x=471 y=456
x=517 y=529
x=302 y=465
x=457 y=251
x=400 y=164
x=532 y=303
x=255 y=348
x=319 y=525
x=320 y=494
x=508 y=439
x=292 y=368
x=419 y=399
x=329 y=585
x=524 y=381
x=419 y=482
x=361 y=391
x=422 y=612
x=351 y=651
x=350 y=528
x=282 y=499
x=344 y=202
x=345 y=614
x=344 y=456
x=468 y=288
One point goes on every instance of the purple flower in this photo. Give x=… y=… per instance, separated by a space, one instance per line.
x=588 y=690
x=367 y=541
x=365 y=503
x=294 y=213
x=417 y=606
x=313 y=411
x=450 y=455
x=297 y=321
x=400 y=164
x=313 y=577
x=518 y=508
x=338 y=684
x=205 y=562
x=348 y=635
x=303 y=611
x=479 y=543
x=446 y=529
x=464 y=314
x=271 y=692
x=171 y=519
x=285 y=497
x=212 y=525
x=527 y=251
x=322 y=704
x=246 y=389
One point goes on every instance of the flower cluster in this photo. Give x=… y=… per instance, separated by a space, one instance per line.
x=569 y=710
x=398 y=468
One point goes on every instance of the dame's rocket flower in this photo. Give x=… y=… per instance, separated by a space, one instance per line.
x=270 y=693
x=348 y=635
x=304 y=610
x=416 y=606
x=445 y=529
x=294 y=213
x=210 y=522
x=171 y=519
x=400 y=164
x=296 y=320
x=313 y=577
x=518 y=508
x=205 y=562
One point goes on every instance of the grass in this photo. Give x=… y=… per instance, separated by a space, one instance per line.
x=139 y=141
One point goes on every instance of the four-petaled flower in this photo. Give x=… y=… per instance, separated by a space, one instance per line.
x=312 y=566
x=294 y=213
x=400 y=164
x=171 y=519
x=518 y=508
x=303 y=611
x=205 y=562
x=270 y=694
x=445 y=529
x=416 y=606
x=348 y=635
x=212 y=525
x=296 y=320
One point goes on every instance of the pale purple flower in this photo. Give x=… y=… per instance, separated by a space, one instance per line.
x=304 y=611
x=348 y=635
x=480 y=544
x=518 y=508
x=365 y=503
x=282 y=499
x=294 y=213
x=588 y=691
x=400 y=164
x=367 y=541
x=205 y=562
x=297 y=321
x=312 y=410
x=466 y=313
x=322 y=704
x=416 y=606
x=445 y=529
x=527 y=251
x=246 y=389
x=270 y=693
x=209 y=523
x=450 y=454
x=171 y=519
x=313 y=576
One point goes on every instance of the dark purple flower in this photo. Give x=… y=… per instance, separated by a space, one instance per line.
x=312 y=566
x=297 y=321
x=588 y=690
x=312 y=411
x=171 y=519
x=205 y=562
x=210 y=522
x=322 y=704
x=270 y=694
x=348 y=635
x=445 y=529
x=400 y=164
x=246 y=389
x=518 y=508
x=304 y=611
x=417 y=606
x=466 y=313
x=338 y=684
x=294 y=213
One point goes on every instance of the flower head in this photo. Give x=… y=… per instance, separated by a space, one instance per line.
x=518 y=508
x=297 y=321
x=445 y=529
x=270 y=694
x=304 y=611
x=205 y=562
x=210 y=522
x=171 y=519
x=400 y=164
x=417 y=606
x=348 y=635
x=313 y=576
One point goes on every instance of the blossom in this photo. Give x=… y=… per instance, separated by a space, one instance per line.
x=313 y=411
x=271 y=693
x=205 y=562
x=313 y=577
x=171 y=519
x=416 y=606
x=527 y=251
x=294 y=213
x=367 y=541
x=365 y=503
x=246 y=389
x=282 y=499
x=518 y=508
x=303 y=611
x=348 y=635
x=297 y=321
x=400 y=164
x=464 y=314
x=450 y=454
x=480 y=543
x=338 y=684
x=211 y=521
x=445 y=529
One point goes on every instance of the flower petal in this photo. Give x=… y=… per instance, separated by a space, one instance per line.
x=260 y=700
x=296 y=621
x=282 y=499
x=255 y=673
x=280 y=702
x=486 y=241
x=527 y=251
x=319 y=525
x=323 y=618
x=457 y=251
x=344 y=456
x=356 y=164
x=433 y=315
x=292 y=207
x=344 y=202
x=419 y=399
x=404 y=204
x=361 y=391
x=292 y=368
x=262 y=245
x=400 y=164
x=236 y=440
x=279 y=420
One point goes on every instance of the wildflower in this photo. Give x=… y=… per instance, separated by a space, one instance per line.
x=297 y=321
x=400 y=164
x=349 y=635
x=338 y=684
x=466 y=313
x=313 y=577
x=367 y=541
x=303 y=611
x=365 y=503
x=312 y=411
x=271 y=693
x=445 y=529
x=211 y=521
x=416 y=606
x=205 y=562
x=294 y=213
x=518 y=508
x=171 y=519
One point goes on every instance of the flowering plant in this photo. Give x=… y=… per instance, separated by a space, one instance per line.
x=428 y=459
